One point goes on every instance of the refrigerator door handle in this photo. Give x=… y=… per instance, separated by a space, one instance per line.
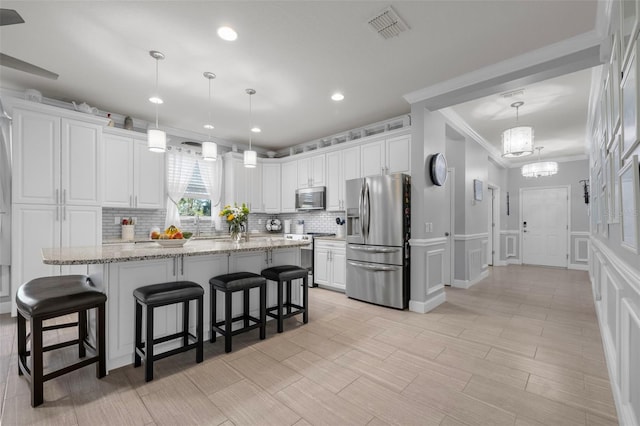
x=375 y=268
x=370 y=249
x=367 y=207
x=361 y=209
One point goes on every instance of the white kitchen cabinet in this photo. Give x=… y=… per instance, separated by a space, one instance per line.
x=55 y=160
x=38 y=226
x=341 y=166
x=123 y=279
x=255 y=191
x=330 y=264
x=271 y=187
x=134 y=177
x=289 y=185
x=148 y=177
x=242 y=184
x=311 y=171
x=387 y=156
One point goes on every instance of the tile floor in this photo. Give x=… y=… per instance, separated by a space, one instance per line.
x=520 y=348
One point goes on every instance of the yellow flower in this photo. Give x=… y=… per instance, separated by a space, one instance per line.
x=230 y=218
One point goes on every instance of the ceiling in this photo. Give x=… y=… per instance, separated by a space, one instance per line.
x=295 y=55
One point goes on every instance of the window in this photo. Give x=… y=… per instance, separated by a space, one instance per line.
x=196 y=200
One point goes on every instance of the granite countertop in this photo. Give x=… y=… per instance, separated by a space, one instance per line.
x=126 y=252
x=217 y=236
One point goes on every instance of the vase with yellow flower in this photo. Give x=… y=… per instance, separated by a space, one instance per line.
x=236 y=218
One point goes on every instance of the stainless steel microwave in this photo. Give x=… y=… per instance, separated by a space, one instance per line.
x=310 y=198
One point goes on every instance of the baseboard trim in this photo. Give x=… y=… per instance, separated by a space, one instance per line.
x=514 y=261
x=465 y=284
x=424 y=307
x=501 y=263
x=578 y=266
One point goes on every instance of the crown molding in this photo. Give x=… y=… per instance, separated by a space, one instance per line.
x=573 y=54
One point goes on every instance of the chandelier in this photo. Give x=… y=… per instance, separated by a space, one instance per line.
x=540 y=168
x=517 y=141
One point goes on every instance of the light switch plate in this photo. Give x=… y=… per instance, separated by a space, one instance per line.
x=116 y=221
x=428 y=227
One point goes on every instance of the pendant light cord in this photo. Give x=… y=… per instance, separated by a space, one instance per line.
x=209 y=126
x=157 y=94
x=250 y=120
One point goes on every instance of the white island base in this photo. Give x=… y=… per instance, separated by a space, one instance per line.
x=120 y=278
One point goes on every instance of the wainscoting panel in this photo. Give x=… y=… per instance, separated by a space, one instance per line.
x=630 y=354
x=615 y=289
x=485 y=254
x=581 y=249
x=474 y=263
x=434 y=261
x=611 y=309
x=511 y=245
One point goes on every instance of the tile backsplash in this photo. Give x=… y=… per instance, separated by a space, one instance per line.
x=320 y=221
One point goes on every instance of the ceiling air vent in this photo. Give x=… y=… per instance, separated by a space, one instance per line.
x=387 y=23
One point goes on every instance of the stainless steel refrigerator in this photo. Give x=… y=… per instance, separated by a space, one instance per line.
x=378 y=232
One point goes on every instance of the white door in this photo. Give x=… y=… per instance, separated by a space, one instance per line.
x=449 y=213
x=544 y=226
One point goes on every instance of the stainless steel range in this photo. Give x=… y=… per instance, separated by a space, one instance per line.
x=306 y=252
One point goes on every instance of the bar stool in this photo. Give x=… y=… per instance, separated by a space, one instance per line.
x=50 y=297
x=229 y=284
x=282 y=274
x=157 y=295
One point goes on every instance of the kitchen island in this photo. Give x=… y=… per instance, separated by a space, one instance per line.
x=118 y=269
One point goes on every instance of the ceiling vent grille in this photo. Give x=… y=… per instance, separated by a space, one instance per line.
x=387 y=23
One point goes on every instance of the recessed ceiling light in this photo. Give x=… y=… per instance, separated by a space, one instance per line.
x=227 y=33
x=209 y=126
x=155 y=100
x=337 y=96
x=256 y=129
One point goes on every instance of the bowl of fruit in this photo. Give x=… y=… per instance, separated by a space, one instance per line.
x=171 y=237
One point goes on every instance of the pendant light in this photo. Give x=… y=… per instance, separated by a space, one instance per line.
x=156 y=138
x=541 y=168
x=250 y=157
x=517 y=141
x=209 y=148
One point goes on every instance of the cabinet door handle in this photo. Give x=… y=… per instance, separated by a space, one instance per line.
x=181 y=265
x=64 y=196
x=57 y=213
x=174 y=266
x=64 y=212
x=57 y=196
x=266 y=257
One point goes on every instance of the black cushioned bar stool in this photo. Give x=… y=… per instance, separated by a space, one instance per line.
x=229 y=284
x=285 y=274
x=50 y=297
x=157 y=295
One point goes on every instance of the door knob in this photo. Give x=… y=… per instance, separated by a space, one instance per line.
x=446 y=234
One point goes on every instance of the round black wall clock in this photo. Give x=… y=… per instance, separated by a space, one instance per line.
x=438 y=169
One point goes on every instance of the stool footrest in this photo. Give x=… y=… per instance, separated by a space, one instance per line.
x=165 y=354
x=59 y=326
x=70 y=368
x=222 y=331
x=172 y=337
